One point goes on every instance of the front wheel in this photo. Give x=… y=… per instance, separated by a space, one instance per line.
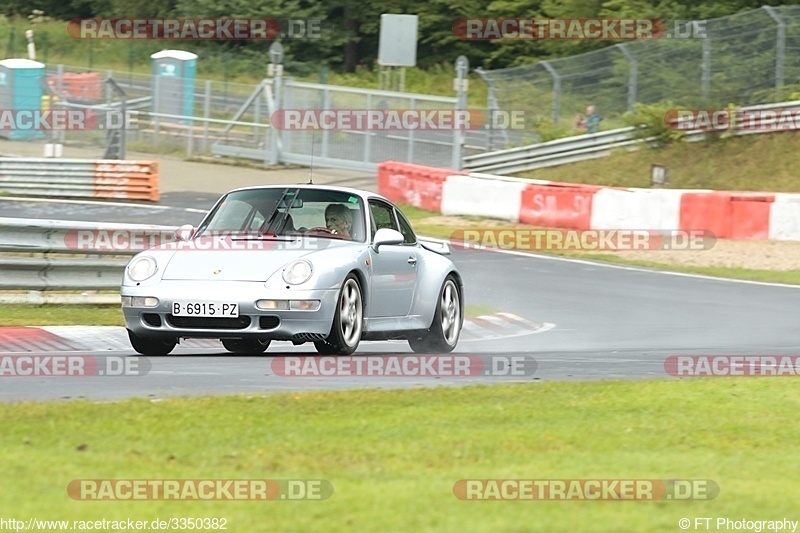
x=246 y=346
x=153 y=345
x=445 y=329
x=347 y=322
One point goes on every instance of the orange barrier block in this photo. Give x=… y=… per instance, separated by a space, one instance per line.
x=706 y=211
x=750 y=216
x=729 y=215
x=415 y=185
x=131 y=180
x=557 y=205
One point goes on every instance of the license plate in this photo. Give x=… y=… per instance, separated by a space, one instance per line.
x=205 y=309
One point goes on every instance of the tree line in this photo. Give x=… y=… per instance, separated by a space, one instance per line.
x=350 y=28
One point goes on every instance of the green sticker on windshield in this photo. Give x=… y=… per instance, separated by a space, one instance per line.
x=353 y=199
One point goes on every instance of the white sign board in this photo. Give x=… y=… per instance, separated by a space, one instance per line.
x=398 y=41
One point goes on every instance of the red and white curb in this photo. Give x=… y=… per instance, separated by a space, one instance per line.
x=500 y=326
x=26 y=339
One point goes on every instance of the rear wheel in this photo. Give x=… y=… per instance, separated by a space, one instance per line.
x=347 y=322
x=445 y=329
x=246 y=346
x=153 y=345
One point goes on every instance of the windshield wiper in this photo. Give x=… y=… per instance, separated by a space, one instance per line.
x=282 y=224
x=268 y=223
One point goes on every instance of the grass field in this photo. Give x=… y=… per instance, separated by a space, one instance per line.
x=394 y=456
x=765 y=162
x=109 y=315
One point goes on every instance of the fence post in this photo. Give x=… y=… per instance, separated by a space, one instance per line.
x=157 y=108
x=556 y=89
x=190 y=140
x=632 y=76
x=705 y=83
x=274 y=156
x=326 y=104
x=206 y=114
x=780 y=49
x=368 y=134
x=461 y=83
x=412 y=105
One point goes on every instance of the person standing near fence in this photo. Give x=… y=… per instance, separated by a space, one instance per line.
x=592 y=120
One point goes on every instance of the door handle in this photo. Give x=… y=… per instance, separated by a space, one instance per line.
x=412 y=261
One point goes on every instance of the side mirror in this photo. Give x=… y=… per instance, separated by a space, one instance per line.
x=387 y=236
x=185 y=232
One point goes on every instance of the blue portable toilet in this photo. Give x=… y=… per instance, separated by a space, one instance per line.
x=21 y=89
x=173 y=82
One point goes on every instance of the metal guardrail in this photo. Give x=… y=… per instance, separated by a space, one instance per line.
x=83 y=178
x=63 y=255
x=48 y=255
x=587 y=146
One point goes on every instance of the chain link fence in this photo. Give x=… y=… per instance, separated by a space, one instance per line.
x=743 y=59
x=234 y=120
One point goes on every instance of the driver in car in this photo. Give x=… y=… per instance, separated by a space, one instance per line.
x=339 y=220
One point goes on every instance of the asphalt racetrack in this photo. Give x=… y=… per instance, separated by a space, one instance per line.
x=597 y=322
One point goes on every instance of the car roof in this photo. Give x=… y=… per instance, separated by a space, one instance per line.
x=349 y=190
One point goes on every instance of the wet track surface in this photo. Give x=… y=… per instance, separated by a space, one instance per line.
x=603 y=322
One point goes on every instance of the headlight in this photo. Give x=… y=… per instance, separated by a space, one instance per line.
x=297 y=272
x=142 y=268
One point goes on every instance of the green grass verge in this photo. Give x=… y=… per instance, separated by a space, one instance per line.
x=60 y=315
x=394 y=456
x=109 y=315
x=420 y=220
x=765 y=162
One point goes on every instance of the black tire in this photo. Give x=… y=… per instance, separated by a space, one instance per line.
x=442 y=336
x=246 y=346
x=152 y=346
x=348 y=321
x=324 y=348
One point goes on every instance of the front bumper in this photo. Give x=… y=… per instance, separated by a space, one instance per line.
x=298 y=326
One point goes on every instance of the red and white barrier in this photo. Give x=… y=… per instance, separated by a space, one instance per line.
x=727 y=214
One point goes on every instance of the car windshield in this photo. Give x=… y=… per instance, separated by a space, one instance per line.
x=289 y=211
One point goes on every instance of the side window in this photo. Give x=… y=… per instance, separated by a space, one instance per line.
x=405 y=229
x=382 y=216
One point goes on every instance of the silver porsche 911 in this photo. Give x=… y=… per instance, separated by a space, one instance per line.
x=300 y=263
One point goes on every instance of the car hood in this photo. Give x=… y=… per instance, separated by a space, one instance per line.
x=255 y=264
x=228 y=266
